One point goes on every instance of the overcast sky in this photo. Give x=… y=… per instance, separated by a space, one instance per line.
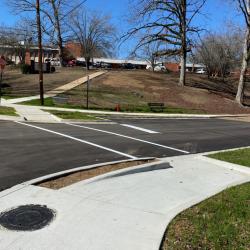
x=216 y=12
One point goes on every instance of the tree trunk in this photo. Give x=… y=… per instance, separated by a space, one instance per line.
x=240 y=93
x=183 y=70
x=183 y=55
x=58 y=30
x=87 y=62
x=39 y=33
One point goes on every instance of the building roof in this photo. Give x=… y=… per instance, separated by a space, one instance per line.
x=31 y=47
x=116 y=61
x=193 y=65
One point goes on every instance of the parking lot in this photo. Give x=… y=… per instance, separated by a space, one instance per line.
x=31 y=150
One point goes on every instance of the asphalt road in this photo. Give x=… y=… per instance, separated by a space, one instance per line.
x=32 y=150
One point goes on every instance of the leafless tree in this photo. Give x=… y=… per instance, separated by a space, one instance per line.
x=149 y=53
x=94 y=33
x=245 y=9
x=219 y=52
x=169 y=22
x=56 y=13
x=15 y=40
x=53 y=12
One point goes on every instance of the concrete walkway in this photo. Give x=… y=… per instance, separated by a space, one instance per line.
x=147 y=115
x=120 y=210
x=35 y=113
x=58 y=90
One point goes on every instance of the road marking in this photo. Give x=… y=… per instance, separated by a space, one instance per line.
x=139 y=128
x=79 y=140
x=131 y=138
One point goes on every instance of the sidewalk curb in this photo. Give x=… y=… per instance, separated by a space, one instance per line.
x=67 y=172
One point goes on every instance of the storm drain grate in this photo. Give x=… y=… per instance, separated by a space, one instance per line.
x=27 y=218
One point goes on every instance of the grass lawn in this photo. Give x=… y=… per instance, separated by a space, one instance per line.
x=221 y=222
x=241 y=156
x=7 y=111
x=73 y=115
x=16 y=84
x=124 y=108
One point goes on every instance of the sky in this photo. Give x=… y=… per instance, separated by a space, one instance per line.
x=215 y=14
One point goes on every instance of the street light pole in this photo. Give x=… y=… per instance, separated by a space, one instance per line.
x=87 y=91
x=39 y=32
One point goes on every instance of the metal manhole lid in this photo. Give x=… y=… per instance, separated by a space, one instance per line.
x=27 y=218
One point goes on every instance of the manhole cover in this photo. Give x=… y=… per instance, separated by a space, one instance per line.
x=27 y=218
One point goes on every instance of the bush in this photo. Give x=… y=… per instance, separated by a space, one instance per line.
x=25 y=68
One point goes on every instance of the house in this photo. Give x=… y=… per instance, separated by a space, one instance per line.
x=74 y=49
x=172 y=67
x=118 y=63
x=190 y=67
x=20 y=53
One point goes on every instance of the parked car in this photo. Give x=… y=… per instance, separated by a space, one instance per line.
x=53 y=61
x=71 y=63
x=128 y=66
x=201 y=71
x=157 y=68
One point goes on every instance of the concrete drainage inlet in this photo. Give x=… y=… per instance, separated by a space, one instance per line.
x=27 y=218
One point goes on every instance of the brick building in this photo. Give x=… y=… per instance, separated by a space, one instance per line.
x=17 y=54
x=74 y=49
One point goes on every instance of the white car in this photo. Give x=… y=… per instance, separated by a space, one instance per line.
x=53 y=61
x=200 y=71
x=157 y=68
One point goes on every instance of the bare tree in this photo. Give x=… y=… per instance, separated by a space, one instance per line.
x=94 y=33
x=169 y=22
x=57 y=12
x=149 y=53
x=245 y=9
x=219 y=52
x=56 y=6
x=15 y=40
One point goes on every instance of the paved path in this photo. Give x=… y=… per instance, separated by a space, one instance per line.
x=120 y=210
x=58 y=90
x=35 y=113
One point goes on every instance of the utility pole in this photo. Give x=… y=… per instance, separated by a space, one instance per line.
x=1 y=78
x=39 y=32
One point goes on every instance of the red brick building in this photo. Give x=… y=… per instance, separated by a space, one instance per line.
x=74 y=49
x=173 y=67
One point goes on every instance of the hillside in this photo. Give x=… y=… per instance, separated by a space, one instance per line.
x=133 y=89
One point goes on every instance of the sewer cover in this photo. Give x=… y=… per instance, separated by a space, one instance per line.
x=27 y=218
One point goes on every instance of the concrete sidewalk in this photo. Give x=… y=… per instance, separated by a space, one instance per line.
x=120 y=210
x=145 y=115
x=58 y=90
x=35 y=113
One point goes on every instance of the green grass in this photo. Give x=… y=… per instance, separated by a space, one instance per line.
x=7 y=97
x=221 y=222
x=7 y=111
x=48 y=102
x=36 y=102
x=73 y=115
x=241 y=156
